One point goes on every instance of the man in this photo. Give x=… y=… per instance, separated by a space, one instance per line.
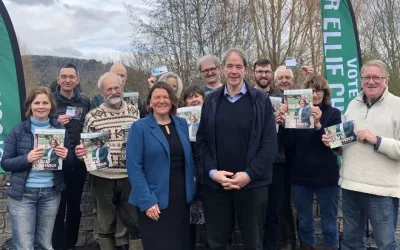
x=370 y=174
x=209 y=67
x=111 y=186
x=120 y=70
x=66 y=96
x=237 y=145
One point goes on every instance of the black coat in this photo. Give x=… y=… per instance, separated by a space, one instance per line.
x=263 y=145
x=19 y=143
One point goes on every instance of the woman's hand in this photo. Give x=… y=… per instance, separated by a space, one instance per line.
x=153 y=212
x=326 y=140
x=151 y=81
x=35 y=154
x=61 y=152
x=80 y=151
x=317 y=113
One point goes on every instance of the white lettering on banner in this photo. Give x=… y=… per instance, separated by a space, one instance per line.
x=332 y=20
x=352 y=74
x=332 y=4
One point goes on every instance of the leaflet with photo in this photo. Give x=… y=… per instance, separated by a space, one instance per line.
x=299 y=102
x=276 y=104
x=74 y=112
x=125 y=128
x=342 y=134
x=131 y=98
x=98 y=151
x=159 y=70
x=293 y=62
x=192 y=116
x=48 y=140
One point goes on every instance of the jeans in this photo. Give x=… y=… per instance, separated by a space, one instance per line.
x=32 y=218
x=328 y=199
x=382 y=213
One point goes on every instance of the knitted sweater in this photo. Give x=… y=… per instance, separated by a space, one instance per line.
x=365 y=169
x=105 y=119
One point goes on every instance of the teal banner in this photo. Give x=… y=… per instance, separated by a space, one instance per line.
x=12 y=84
x=342 y=56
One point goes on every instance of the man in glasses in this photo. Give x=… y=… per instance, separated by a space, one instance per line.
x=210 y=68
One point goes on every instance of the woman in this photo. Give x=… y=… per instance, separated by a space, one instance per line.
x=33 y=196
x=51 y=154
x=194 y=96
x=314 y=168
x=304 y=113
x=161 y=171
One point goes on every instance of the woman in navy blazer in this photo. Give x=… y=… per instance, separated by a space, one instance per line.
x=161 y=171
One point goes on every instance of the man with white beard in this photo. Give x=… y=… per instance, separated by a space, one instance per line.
x=111 y=185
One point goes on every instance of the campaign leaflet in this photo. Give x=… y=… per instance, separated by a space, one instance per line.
x=74 y=112
x=342 y=134
x=48 y=140
x=159 y=70
x=98 y=151
x=131 y=98
x=125 y=128
x=299 y=102
x=276 y=104
x=192 y=117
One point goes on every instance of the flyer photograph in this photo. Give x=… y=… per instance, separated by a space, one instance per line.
x=293 y=62
x=131 y=98
x=125 y=128
x=276 y=104
x=48 y=140
x=192 y=117
x=98 y=154
x=299 y=102
x=342 y=134
x=159 y=70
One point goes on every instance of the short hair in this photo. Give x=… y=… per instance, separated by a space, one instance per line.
x=207 y=58
x=377 y=63
x=192 y=90
x=174 y=99
x=194 y=116
x=68 y=66
x=164 y=77
x=316 y=81
x=282 y=68
x=261 y=62
x=32 y=96
x=238 y=51
x=106 y=75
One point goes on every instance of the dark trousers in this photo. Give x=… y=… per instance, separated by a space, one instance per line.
x=287 y=219
x=222 y=207
x=66 y=227
x=276 y=193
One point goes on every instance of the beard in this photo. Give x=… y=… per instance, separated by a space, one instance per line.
x=261 y=85
x=113 y=99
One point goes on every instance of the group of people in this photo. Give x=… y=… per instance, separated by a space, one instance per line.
x=241 y=169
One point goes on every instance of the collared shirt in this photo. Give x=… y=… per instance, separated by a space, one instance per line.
x=237 y=96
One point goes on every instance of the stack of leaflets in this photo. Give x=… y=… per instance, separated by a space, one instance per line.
x=192 y=116
x=48 y=140
x=98 y=153
x=131 y=98
x=125 y=128
x=276 y=104
x=299 y=102
x=342 y=134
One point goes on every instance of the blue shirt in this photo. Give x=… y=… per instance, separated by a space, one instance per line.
x=43 y=178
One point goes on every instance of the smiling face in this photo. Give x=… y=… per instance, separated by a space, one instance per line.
x=53 y=143
x=373 y=89
x=67 y=79
x=160 y=102
x=263 y=75
x=111 y=90
x=284 y=79
x=41 y=107
x=194 y=100
x=210 y=73
x=302 y=103
x=234 y=70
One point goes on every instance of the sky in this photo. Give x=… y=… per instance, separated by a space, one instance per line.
x=91 y=29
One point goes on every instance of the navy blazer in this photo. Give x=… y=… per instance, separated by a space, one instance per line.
x=148 y=163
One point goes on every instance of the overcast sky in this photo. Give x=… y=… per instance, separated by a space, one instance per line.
x=72 y=28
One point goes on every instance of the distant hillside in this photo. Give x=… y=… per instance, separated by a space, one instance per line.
x=43 y=70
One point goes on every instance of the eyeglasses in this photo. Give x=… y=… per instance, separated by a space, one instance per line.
x=210 y=70
x=318 y=91
x=261 y=72
x=374 y=78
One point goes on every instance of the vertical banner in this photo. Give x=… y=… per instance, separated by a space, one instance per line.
x=12 y=84
x=342 y=55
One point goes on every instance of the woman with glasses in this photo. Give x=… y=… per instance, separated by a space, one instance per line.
x=314 y=168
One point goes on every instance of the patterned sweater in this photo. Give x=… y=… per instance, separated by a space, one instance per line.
x=102 y=119
x=369 y=169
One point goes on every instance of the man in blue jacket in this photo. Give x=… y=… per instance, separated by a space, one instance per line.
x=237 y=145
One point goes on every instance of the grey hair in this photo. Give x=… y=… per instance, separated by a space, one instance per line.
x=282 y=68
x=207 y=58
x=164 y=77
x=106 y=75
x=377 y=63
x=238 y=51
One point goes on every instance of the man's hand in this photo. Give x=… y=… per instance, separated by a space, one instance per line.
x=222 y=177
x=64 y=119
x=242 y=179
x=151 y=81
x=80 y=151
x=326 y=140
x=308 y=69
x=365 y=135
x=62 y=152
x=153 y=212
x=35 y=154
